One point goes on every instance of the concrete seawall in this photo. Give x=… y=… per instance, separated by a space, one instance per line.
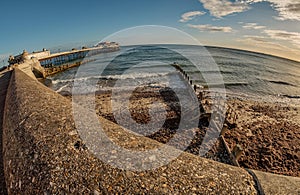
x=4 y=82
x=41 y=154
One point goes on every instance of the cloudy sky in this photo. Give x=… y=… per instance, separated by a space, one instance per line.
x=268 y=26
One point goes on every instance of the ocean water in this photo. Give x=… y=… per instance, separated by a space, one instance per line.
x=242 y=73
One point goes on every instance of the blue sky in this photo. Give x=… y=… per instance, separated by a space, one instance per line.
x=269 y=26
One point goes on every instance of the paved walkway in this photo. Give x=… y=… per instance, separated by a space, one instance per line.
x=4 y=82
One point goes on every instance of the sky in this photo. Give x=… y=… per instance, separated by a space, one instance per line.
x=267 y=26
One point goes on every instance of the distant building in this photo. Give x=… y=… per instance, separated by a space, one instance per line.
x=26 y=56
x=107 y=44
x=39 y=54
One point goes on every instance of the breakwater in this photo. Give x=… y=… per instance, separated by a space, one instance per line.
x=43 y=153
x=218 y=113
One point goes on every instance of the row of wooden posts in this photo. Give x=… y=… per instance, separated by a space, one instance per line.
x=230 y=117
x=184 y=74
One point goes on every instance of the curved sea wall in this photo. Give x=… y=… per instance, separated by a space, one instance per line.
x=43 y=153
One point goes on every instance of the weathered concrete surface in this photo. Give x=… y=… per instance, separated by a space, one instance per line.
x=39 y=154
x=278 y=184
x=4 y=82
x=32 y=68
x=37 y=69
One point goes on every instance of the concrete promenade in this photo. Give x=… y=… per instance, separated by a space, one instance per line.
x=44 y=154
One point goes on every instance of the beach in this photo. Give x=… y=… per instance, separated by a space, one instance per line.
x=268 y=132
x=265 y=101
x=269 y=135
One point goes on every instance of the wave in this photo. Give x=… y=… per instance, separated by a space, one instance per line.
x=223 y=72
x=113 y=77
x=242 y=71
x=152 y=66
x=68 y=88
x=228 y=84
x=281 y=83
x=62 y=88
x=237 y=84
x=291 y=96
x=278 y=72
x=59 y=81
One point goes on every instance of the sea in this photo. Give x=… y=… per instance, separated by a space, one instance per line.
x=240 y=73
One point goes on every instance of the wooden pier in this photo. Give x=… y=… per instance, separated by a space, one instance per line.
x=62 y=58
x=57 y=69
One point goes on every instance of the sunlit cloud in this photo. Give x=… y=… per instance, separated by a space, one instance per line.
x=265 y=45
x=293 y=37
x=220 y=8
x=261 y=41
x=264 y=35
x=287 y=9
x=210 y=28
x=253 y=26
x=191 y=15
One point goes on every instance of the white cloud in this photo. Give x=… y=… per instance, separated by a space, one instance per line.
x=264 y=45
x=293 y=37
x=273 y=37
x=211 y=28
x=287 y=9
x=261 y=42
x=261 y=39
x=220 y=8
x=3 y=59
x=254 y=26
x=190 y=15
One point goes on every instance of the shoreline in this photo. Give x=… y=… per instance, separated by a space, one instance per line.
x=261 y=149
